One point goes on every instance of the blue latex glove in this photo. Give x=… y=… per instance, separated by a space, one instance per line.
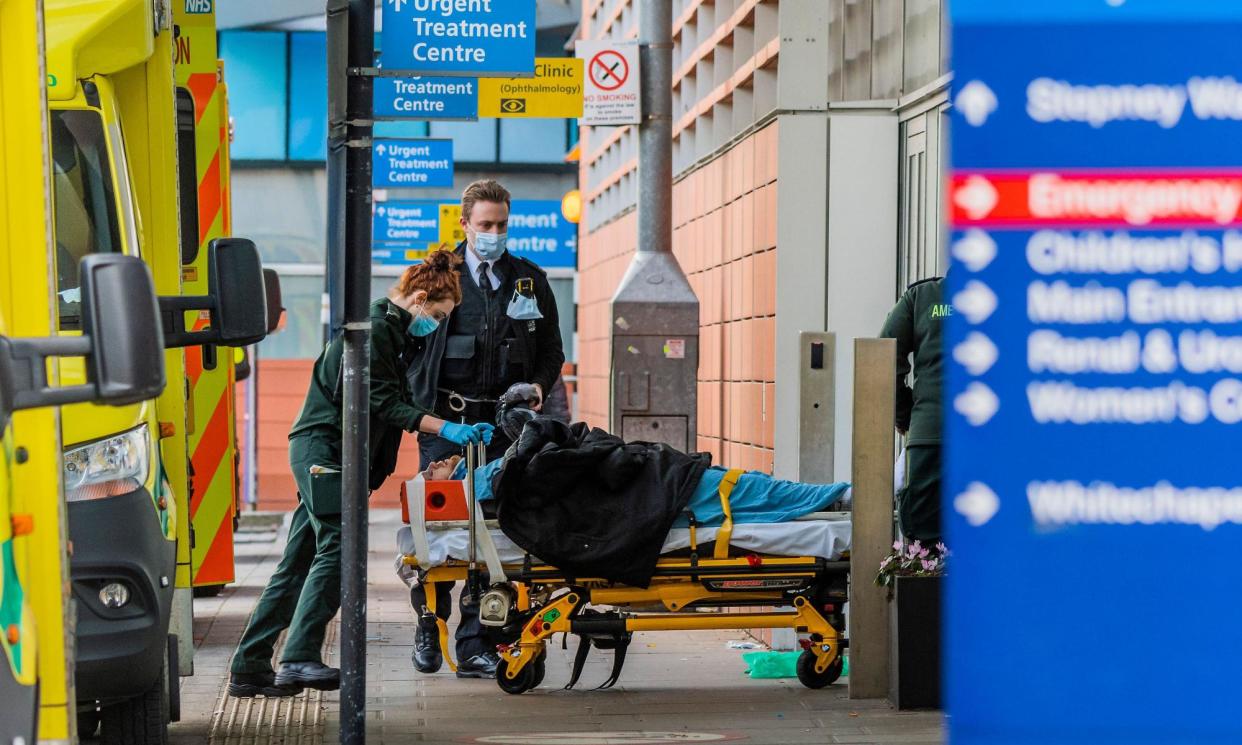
x=486 y=432
x=461 y=434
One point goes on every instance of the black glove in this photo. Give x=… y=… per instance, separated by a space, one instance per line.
x=523 y=395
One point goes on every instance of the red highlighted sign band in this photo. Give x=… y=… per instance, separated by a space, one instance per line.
x=1018 y=200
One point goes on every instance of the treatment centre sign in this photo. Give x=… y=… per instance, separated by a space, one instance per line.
x=1093 y=501
x=426 y=98
x=417 y=163
x=480 y=38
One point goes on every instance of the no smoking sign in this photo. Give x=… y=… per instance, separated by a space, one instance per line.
x=609 y=70
x=612 y=91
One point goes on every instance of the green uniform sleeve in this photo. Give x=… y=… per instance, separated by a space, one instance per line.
x=389 y=402
x=900 y=326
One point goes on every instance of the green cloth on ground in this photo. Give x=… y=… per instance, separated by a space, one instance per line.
x=778 y=664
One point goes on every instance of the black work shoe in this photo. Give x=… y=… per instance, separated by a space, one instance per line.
x=309 y=675
x=250 y=685
x=427 y=656
x=479 y=666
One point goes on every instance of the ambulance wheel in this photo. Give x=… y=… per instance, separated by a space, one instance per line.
x=142 y=720
x=529 y=678
x=88 y=724
x=811 y=679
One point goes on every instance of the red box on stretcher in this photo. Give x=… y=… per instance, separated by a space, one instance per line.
x=443 y=500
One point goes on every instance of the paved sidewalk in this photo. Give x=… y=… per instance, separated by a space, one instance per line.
x=690 y=687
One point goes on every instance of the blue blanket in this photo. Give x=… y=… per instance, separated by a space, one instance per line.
x=757 y=498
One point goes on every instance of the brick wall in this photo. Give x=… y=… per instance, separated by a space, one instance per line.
x=282 y=388
x=724 y=235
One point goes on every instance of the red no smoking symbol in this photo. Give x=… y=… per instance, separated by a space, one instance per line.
x=609 y=70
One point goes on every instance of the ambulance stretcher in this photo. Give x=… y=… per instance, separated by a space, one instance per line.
x=701 y=574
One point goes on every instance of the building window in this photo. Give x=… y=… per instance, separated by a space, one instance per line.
x=256 y=71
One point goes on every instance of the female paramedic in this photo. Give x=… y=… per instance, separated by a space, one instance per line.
x=304 y=593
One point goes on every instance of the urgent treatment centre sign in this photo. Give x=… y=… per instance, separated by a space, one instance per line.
x=417 y=163
x=427 y=98
x=1093 y=394
x=485 y=38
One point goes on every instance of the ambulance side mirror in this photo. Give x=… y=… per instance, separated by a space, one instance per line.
x=120 y=341
x=237 y=281
x=236 y=303
x=275 y=306
x=121 y=317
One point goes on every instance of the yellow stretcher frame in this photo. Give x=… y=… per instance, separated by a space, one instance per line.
x=677 y=586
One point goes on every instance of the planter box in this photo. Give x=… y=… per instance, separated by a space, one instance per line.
x=914 y=641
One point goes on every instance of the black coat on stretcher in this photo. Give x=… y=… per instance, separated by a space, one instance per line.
x=590 y=504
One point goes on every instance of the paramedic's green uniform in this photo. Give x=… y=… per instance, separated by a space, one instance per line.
x=305 y=592
x=916 y=323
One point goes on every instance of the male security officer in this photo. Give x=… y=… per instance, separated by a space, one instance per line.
x=915 y=322
x=505 y=331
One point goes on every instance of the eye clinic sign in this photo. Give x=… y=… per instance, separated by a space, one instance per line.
x=554 y=93
x=491 y=38
x=612 y=83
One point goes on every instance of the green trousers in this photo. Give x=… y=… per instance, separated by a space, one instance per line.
x=305 y=592
x=918 y=507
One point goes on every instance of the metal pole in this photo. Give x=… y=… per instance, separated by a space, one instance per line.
x=655 y=135
x=251 y=481
x=355 y=139
x=334 y=265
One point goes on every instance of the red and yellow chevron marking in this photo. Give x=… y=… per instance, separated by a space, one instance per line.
x=212 y=444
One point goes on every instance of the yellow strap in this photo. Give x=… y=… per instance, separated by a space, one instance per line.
x=725 y=534
x=429 y=591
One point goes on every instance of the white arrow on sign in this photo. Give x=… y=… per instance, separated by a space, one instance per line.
x=977 y=197
x=976 y=301
x=976 y=353
x=977 y=504
x=976 y=101
x=975 y=249
x=381 y=211
x=397 y=5
x=380 y=149
x=977 y=403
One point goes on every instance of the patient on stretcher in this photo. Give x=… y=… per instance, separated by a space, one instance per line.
x=592 y=504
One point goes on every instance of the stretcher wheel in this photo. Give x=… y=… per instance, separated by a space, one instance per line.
x=530 y=677
x=811 y=679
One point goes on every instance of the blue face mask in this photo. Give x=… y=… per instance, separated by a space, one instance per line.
x=423 y=324
x=490 y=246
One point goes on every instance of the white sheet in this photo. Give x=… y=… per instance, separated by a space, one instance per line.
x=823 y=538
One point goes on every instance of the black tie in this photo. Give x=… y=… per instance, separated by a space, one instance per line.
x=485 y=282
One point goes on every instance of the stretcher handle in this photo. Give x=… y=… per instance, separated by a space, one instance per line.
x=474 y=452
x=725 y=534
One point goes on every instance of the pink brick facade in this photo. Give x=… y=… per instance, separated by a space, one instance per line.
x=724 y=236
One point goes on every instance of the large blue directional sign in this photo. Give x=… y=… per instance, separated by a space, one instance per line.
x=426 y=98
x=416 y=163
x=1094 y=373
x=480 y=38
x=539 y=232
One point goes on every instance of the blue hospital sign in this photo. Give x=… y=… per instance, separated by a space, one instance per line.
x=426 y=98
x=426 y=163
x=406 y=223
x=481 y=38
x=539 y=232
x=1093 y=390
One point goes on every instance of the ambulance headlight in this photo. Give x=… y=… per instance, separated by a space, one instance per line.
x=109 y=467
